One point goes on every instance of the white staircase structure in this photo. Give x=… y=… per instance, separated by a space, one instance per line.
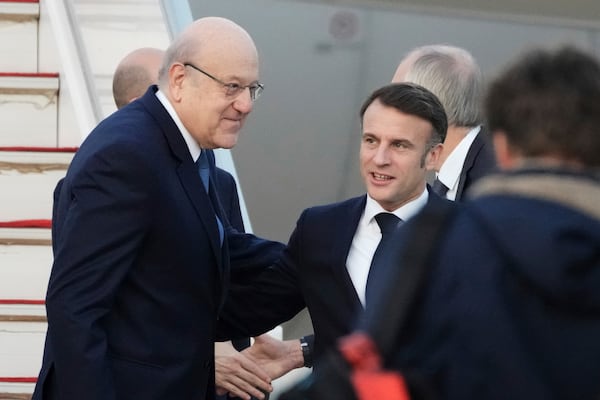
x=41 y=131
x=29 y=115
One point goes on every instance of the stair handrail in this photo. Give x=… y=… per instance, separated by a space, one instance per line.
x=75 y=65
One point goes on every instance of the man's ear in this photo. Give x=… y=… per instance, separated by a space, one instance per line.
x=176 y=80
x=433 y=156
x=506 y=156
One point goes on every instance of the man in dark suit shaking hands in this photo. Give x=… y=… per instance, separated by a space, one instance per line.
x=452 y=74
x=327 y=265
x=142 y=253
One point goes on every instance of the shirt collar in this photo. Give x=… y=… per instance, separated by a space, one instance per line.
x=407 y=211
x=449 y=173
x=192 y=145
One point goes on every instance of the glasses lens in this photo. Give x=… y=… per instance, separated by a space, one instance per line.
x=233 y=89
x=256 y=91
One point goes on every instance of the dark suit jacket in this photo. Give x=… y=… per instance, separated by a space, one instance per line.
x=139 y=274
x=226 y=191
x=228 y=196
x=312 y=272
x=480 y=161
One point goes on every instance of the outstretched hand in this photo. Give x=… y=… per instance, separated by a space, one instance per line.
x=239 y=375
x=275 y=357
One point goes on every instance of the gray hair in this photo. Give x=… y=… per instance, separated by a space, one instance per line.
x=181 y=50
x=454 y=77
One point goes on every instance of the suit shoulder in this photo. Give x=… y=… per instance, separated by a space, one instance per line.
x=483 y=152
x=435 y=200
x=338 y=208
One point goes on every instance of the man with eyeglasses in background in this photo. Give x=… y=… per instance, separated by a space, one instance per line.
x=142 y=250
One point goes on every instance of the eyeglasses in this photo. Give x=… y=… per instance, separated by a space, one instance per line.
x=233 y=89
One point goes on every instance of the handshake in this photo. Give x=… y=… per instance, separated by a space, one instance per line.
x=249 y=373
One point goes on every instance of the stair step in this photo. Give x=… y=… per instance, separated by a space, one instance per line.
x=27 y=223
x=24 y=236
x=22 y=310
x=25 y=264
x=19 y=27
x=21 y=348
x=29 y=94
x=28 y=179
x=38 y=157
x=5 y=395
x=19 y=10
x=29 y=80
x=23 y=328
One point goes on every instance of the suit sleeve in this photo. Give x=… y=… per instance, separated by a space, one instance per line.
x=104 y=217
x=258 y=302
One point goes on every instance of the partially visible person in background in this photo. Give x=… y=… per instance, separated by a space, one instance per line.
x=512 y=306
x=452 y=74
x=135 y=73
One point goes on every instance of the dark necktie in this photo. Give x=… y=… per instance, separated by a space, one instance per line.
x=387 y=224
x=204 y=171
x=439 y=188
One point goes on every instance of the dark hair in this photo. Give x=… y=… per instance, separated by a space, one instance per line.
x=548 y=104
x=413 y=99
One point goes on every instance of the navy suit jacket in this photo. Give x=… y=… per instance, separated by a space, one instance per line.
x=480 y=161
x=226 y=191
x=139 y=274
x=228 y=197
x=312 y=272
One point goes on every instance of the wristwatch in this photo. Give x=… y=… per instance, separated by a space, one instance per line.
x=306 y=352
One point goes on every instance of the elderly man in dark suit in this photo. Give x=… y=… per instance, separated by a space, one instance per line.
x=327 y=263
x=134 y=73
x=452 y=74
x=143 y=253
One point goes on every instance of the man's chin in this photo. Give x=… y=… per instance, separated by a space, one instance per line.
x=227 y=143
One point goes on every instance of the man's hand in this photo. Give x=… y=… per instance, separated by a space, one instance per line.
x=237 y=374
x=276 y=357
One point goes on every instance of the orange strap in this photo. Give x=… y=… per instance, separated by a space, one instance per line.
x=379 y=385
x=370 y=381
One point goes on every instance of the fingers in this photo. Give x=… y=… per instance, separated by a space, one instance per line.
x=241 y=376
x=240 y=386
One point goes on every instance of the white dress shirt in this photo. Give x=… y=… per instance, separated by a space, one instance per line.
x=367 y=237
x=192 y=145
x=449 y=173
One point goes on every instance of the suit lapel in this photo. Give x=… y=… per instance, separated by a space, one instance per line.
x=186 y=169
x=468 y=164
x=190 y=181
x=346 y=222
